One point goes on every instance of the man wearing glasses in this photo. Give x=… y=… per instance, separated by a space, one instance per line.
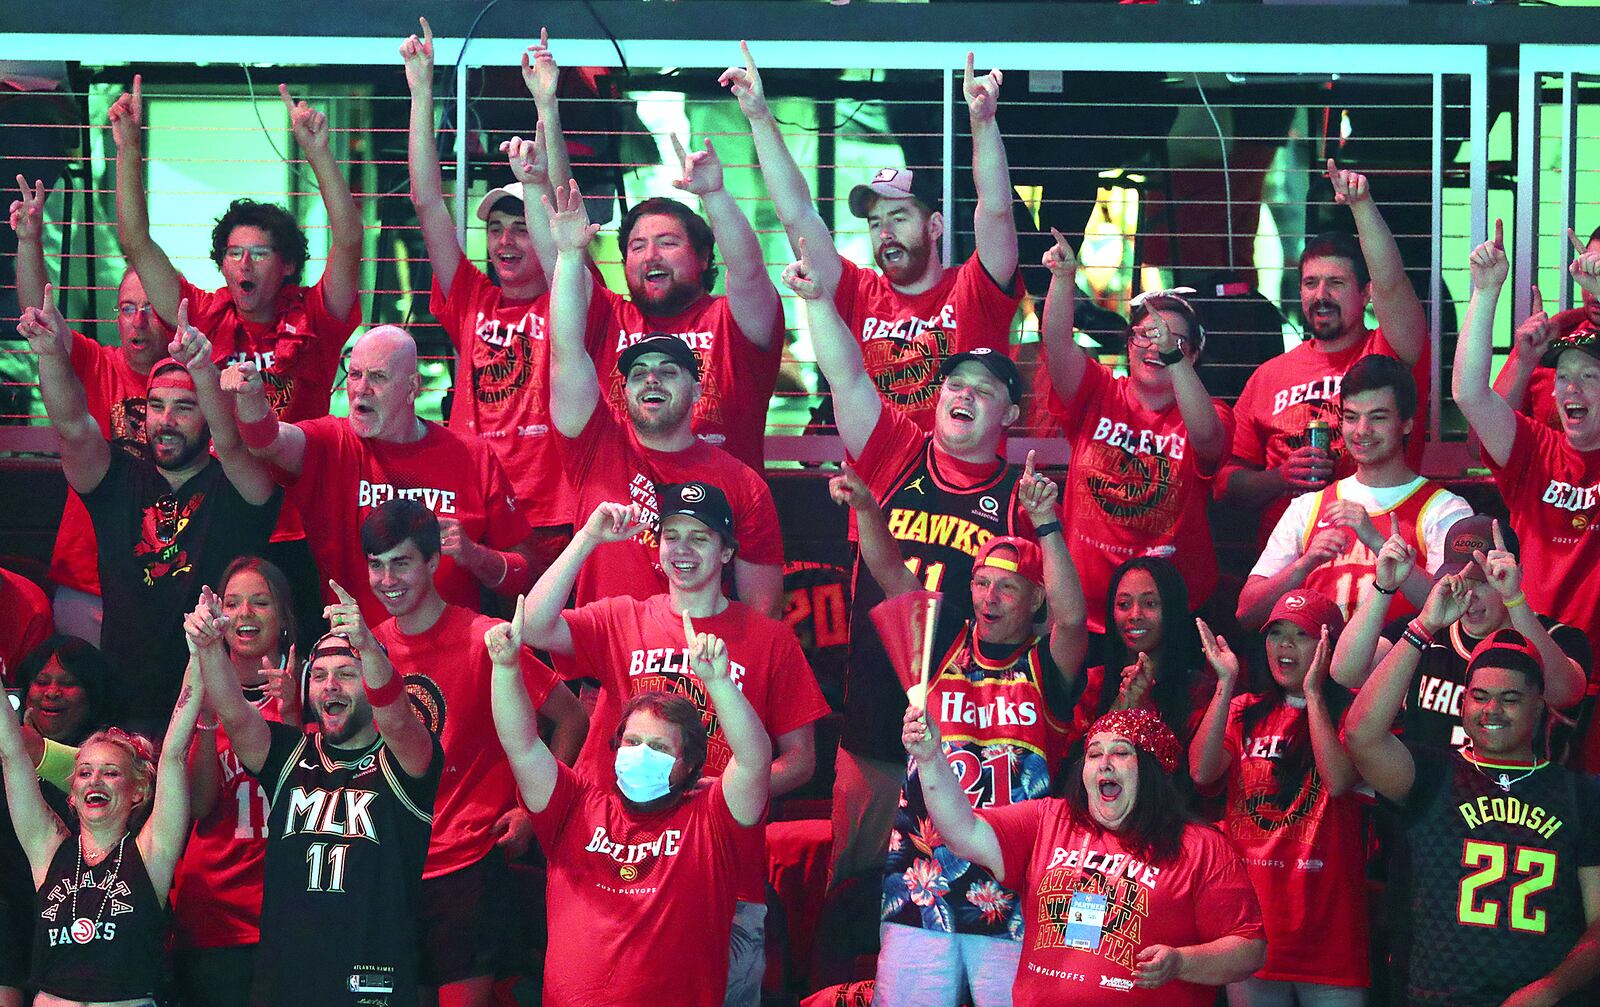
x=292 y=333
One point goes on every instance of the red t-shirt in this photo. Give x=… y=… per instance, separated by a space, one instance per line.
x=447 y=667
x=298 y=353
x=1306 y=860
x=906 y=337
x=25 y=620
x=216 y=892
x=640 y=905
x=503 y=386
x=607 y=463
x=737 y=377
x=1134 y=488
x=631 y=646
x=1203 y=896
x=344 y=478
x=115 y=397
x=1287 y=392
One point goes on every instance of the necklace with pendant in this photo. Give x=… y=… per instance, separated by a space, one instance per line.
x=83 y=929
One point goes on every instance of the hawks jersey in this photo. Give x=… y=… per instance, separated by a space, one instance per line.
x=1494 y=858
x=346 y=839
x=940 y=527
x=1347 y=575
x=1002 y=739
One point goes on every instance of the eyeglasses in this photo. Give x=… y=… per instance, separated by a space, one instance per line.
x=255 y=253
x=134 y=310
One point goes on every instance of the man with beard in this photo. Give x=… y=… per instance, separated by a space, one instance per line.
x=1526 y=381
x=1503 y=847
x=497 y=326
x=916 y=312
x=609 y=459
x=944 y=495
x=338 y=470
x=352 y=808
x=737 y=339
x=168 y=520
x=114 y=380
x=1274 y=458
x=1328 y=541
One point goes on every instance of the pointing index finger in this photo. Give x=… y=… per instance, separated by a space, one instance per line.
x=677 y=148
x=344 y=596
x=688 y=630
x=1537 y=304
x=1499 y=234
x=138 y=90
x=183 y=316
x=749 y=60
x=966 y=77
x=1572 y=238
x=1027 y=466
x=427 y=33
x=1499 y=536
x=283 y=92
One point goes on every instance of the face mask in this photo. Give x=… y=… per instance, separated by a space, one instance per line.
x=644 y=774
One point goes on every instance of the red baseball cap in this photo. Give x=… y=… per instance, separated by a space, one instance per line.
x=1016 y=555
x=1310 y=610
x=1506 y=648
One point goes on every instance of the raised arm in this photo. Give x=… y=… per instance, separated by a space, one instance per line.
x=37 y=827
x=283 y=445
x=422 y=157
x=504 y=571
x=992 y=223
x=1207 y=436
x=1333 y=761
x=1063 y=591
x=85 y=455
x=514 y=720
x=156 y=271
x=747 y=780
x=528 y=160
x=574 y=385
x=1394 y=299
x=1208 y=753
x=968 y=836
x=341 y=275
x=1564 y=682
x=541 y=624
x=855 y=398
x=248 y=474
x=1260 y=592
x=879 y=550
x=397 y=721
x=786 y=186
x=1487 y=413
x=1063 y=356
x=1528 y=344
x=751 y=296
x=247 y=729
x=542 y=76
x=27 y=219
x=1358 y=650
x=165 y=831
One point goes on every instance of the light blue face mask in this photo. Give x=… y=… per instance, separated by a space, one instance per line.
x=644 y=774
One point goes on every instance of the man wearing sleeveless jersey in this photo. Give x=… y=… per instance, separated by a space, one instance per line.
x=944 y=495
x=913 y=313
x=351 y=811
x=1002 y=695
x=1504 y=847
x=1328 y=541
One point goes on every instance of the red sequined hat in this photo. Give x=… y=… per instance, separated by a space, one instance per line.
x=1147 y=732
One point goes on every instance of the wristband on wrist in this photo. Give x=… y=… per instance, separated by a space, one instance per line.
x=259 y=434
x=1171 y=357
x=1383 y=590
x=386 y=693
x=1517 y=602
x=212 y=725
x=1048 y=528
x=1417 y=635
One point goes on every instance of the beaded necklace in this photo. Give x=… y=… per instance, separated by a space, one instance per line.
x=84 y=929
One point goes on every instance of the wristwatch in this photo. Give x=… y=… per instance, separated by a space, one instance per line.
x=1171 y=357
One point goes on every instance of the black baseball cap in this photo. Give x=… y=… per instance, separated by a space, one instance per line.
x=998 y=364
x=1475 y=532
x=659 y=342
x=1585 y=338
x=701 y=501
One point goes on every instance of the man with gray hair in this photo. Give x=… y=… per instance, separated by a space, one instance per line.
x=337 y=470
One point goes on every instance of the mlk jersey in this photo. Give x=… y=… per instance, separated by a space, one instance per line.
x=1001 y=740
x=346 y=840
x=1495 y=852
x=940 y=525
x=1344 y=578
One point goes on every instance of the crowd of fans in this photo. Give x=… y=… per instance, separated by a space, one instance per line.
x=1063 y=780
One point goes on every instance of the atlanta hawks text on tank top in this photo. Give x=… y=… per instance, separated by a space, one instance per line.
x=100 y=932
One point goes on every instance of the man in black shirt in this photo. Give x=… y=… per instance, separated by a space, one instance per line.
x=167 y=522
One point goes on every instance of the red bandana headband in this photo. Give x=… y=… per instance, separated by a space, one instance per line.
x=1146 y=730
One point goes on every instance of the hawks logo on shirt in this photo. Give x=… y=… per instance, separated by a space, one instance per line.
x=906 y=367
x=635 y=860
x=158 y=549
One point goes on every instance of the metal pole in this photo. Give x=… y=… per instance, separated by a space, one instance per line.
x=1525 y=268
x=1569 y=169
x=462 y=168
x=1436 y=257
x=948 y=157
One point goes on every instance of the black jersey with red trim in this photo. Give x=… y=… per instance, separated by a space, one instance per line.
x=1494 y=854
x=940 y=527
x=346 y=840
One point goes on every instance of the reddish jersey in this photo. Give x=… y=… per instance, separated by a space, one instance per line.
x=1344 y=578
x=25 y=620
x=1063 y=868
x=640 y=904
x=503 y=386
x=216 y=891
x=607 y=463
x=447 y=668
x=1134 y=487
x=343 y=478
x=737 y=377
x=1287 y=392
x=115 y=398
x=298 y=352
x=633 y=646
x=905 y=338
x=1303 y=852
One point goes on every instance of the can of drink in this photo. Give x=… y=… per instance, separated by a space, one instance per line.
x=1319 y=434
